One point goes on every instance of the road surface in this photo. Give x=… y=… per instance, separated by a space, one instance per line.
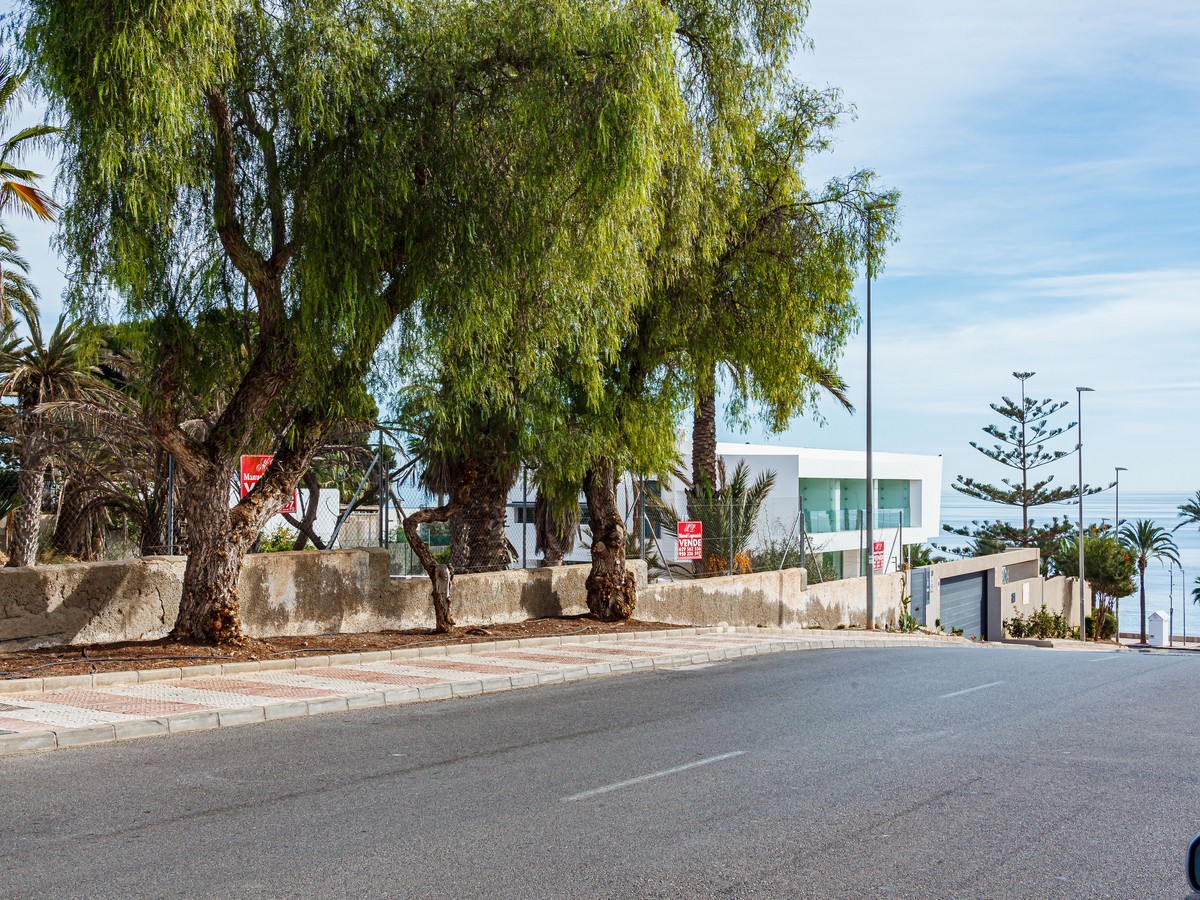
x=893 y=773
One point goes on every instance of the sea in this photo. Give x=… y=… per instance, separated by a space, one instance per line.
x=1165 y=587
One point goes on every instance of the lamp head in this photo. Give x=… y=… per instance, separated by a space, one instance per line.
x=1082 y=389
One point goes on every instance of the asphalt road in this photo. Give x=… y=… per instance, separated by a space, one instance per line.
x=850 y=773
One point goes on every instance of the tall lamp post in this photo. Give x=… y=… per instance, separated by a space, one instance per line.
x=1082 y=580
x=870 y=526
x=1117 y=520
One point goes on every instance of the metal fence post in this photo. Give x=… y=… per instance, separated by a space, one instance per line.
x=524 y=516
x=642 y=518
x=170 y=505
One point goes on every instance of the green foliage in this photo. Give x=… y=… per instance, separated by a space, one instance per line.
x=729 y=514
x=1189 y=512
x=906 y=623
x=277 y=540
x=1022 y=446
x=918 y=556
x=1108 y=629
x=1041 y=624
x=1109 y=566
x=1148 y=542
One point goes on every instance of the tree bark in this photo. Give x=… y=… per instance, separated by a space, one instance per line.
x=305 y=531
x=479 y=542
x=440 y=576
x=611 y=587
x=35 y=455
x=704 y=442
x=209 y=609
x=555 y=535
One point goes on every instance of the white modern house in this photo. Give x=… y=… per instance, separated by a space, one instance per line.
x=827 y=487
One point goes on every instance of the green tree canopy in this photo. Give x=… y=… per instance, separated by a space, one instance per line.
x=315 y=173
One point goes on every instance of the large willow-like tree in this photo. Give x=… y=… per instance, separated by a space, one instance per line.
x=310 y=173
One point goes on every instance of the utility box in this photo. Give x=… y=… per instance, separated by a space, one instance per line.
x=1156 y=630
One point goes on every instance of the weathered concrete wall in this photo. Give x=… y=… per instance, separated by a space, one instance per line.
x=351 y=591
x=84 y=603
x=281 y=593
x=763 y=598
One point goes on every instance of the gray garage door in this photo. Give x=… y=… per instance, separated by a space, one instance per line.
x=963 y=603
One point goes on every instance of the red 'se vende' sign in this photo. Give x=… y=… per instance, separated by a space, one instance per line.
x=252 y=469
x=690 y=541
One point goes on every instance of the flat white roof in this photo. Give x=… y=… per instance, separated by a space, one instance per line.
x=729 y=448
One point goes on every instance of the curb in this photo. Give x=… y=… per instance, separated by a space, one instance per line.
x=775 y=640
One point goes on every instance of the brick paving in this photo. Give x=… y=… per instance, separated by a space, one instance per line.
x=150 y=703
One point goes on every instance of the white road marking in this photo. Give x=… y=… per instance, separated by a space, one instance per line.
x=632 y=781
x=1107 y=656
x=970 y=690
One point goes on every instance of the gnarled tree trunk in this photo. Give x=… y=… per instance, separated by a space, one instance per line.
x=208 y=609
x=440 y=576
x=611 y=587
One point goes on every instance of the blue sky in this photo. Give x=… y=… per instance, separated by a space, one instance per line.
x=1048 y=153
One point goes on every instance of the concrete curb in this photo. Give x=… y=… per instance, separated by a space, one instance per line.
x=774 y=640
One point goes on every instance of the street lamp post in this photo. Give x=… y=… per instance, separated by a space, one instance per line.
x=870 y=525
x=1082 y=580
x=1117 y=520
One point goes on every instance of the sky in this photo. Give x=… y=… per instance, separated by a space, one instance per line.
x=1048 y=157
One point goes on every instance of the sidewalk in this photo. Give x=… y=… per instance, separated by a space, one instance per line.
x=77 y=710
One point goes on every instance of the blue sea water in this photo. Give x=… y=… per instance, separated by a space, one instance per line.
x=1159 y=506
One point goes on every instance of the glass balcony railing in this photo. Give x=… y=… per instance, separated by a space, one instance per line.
x=827 y=521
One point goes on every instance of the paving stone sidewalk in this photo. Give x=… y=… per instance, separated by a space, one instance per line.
x=76 y=710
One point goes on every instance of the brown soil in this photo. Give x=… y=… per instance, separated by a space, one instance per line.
x=133 y=655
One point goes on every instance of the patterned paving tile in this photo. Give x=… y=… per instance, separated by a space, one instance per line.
x=11 y=726
x=298 y=679
x=59 y=715
x=257 y=689
x=561 y=657
x=434 y=676
x=370 y=676
x=529 y=663
x=464 y=664
x=109 y=701
x=204 y=699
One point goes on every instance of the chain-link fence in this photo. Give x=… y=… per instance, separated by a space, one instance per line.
x=358 y=494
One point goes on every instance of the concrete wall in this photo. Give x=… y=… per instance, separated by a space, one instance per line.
x=762 y=598
x=351 y=591
x=281 y=593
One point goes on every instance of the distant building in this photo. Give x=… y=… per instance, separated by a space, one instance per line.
x=827 y=485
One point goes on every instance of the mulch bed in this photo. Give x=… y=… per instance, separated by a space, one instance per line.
x=134 y=655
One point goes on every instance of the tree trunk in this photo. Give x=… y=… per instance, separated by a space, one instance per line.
x=483 y=544
x=79 y=526
x=27 y=521
x=305 y=530
x=611 y=587
x=1142 y=597
x=440 y=576
x=704 y=442
x=552 y=540
x=208 y=609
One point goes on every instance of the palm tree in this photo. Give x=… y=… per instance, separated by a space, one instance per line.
x=17 y=293
x=37 y=372
x=1189 y=512
x=18 y=187
x=1148 y=541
